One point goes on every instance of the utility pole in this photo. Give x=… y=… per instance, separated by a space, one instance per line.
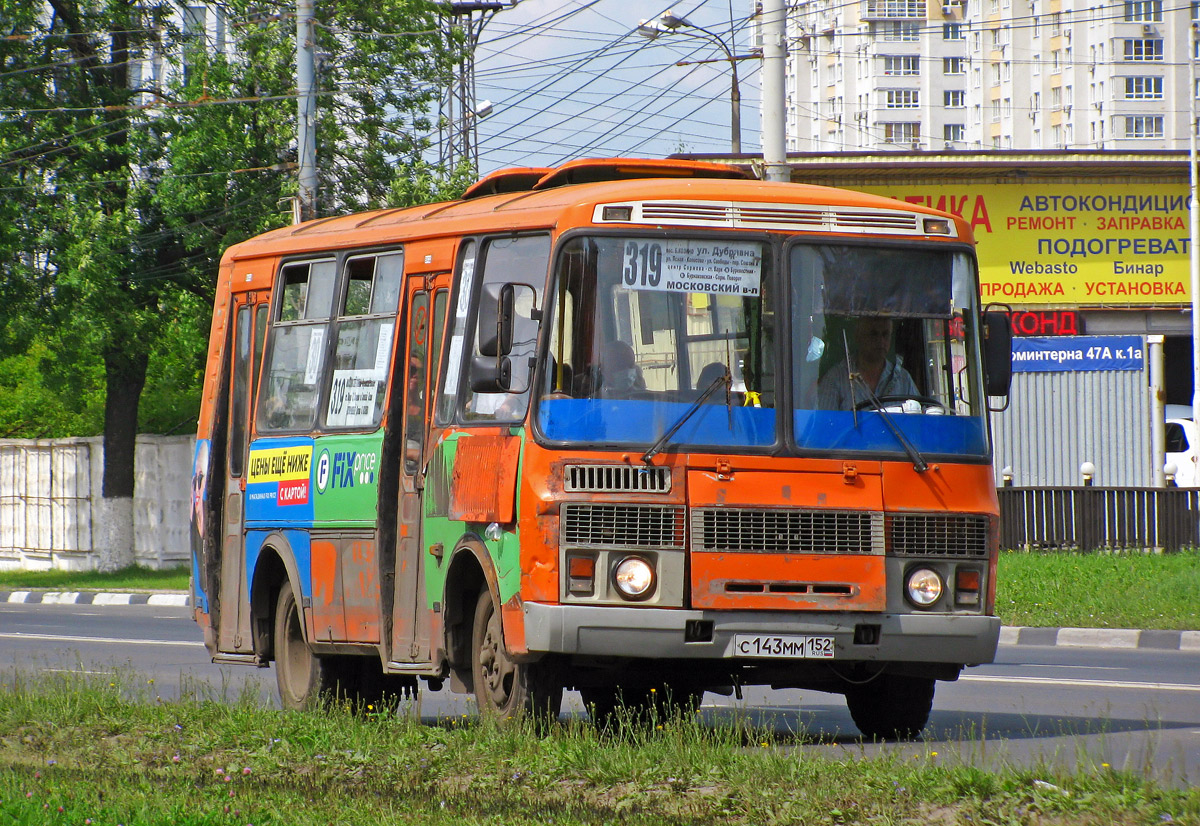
x=774 y=94
x=306 y=101
x=460 y=113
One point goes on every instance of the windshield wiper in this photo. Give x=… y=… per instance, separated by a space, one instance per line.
x=726 y=381
x=919 y=463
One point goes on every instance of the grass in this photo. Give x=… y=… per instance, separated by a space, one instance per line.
x=128 y=579
x=1100 y=590
x=76 y=749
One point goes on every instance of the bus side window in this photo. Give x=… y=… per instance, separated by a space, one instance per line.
x=364 y=332
x=464 y=282
x=240 y=395
x=522 y=260
x=287 y=399
x=414 y=397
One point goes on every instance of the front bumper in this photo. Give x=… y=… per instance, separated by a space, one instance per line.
x=658 y=633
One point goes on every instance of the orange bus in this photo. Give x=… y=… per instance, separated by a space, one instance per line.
x=642 y=429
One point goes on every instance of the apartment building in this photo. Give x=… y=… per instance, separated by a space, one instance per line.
x=989 y=74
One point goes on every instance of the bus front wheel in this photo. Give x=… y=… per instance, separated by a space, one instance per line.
x=891 y=707
x=303 y=677
x=503 y=686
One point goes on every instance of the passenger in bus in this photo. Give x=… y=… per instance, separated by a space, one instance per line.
x=711 y=372
x=619 y=373
x=870 y=343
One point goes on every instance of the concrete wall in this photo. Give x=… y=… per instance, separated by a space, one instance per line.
x=48 y=508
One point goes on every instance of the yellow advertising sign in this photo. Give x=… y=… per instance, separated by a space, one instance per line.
x=1071 y=245
x=279 y=464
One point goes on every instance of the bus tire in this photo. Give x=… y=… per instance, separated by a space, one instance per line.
x=891 y=707
x=304 y=678
x=504 y=687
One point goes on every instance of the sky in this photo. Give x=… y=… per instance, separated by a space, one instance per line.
x=573 y=79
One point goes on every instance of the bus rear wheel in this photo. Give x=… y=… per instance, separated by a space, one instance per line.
x=304 y=678
x=891 y=707
x=504 y=687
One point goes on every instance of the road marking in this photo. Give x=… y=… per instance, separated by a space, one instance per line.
x=64 y=638
x=1081 y=683
x=75 y=671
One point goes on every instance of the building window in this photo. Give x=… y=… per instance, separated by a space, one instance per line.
x=899 y=32
x=895 y=8
x=953 y=132
x=954 y=65
x=953 y=31
x=1145 y=48
x=903 y=98
x=1143 y=11
x=954 y=99
x=901 y=65
x=1143 y=126
x=1143 y=88
x=902 y=132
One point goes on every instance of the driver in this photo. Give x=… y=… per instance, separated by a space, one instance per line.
x=869 y=346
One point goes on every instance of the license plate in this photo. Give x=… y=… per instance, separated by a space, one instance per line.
x=783 y=647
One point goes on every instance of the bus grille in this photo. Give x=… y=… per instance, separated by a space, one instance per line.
x=631 y=526
x=937 y=534
x=787 y=531
x=617 y=479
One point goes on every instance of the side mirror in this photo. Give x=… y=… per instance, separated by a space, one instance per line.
x=491 y=374
x=997 y=353
x=496 y=313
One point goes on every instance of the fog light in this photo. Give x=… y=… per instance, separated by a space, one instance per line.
x=924 y=587
x=634 y=577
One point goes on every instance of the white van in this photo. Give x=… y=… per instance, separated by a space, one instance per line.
x=1182 y=445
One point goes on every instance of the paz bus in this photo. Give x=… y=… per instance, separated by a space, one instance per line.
x=637 y=428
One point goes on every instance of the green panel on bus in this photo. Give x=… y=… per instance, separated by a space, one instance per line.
x=346 y=479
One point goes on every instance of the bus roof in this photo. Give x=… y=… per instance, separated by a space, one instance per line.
x=530 y=198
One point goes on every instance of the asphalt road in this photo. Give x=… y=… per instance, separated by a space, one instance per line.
x=1135 y=710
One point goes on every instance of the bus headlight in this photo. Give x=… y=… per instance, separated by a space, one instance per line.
x=923 y=587
x=634 y=577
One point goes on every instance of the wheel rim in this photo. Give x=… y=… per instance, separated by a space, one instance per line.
x=496 y=670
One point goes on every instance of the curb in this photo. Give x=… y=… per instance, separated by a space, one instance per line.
x=1106 y=638
x=95 y=598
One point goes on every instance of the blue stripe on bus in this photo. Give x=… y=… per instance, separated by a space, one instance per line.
x=300 y=543
x=641 y=422
x=836 y=430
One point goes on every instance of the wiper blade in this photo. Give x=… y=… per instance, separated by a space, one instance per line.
x=720 y=381
x=919 y=463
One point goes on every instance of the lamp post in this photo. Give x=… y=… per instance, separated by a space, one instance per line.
x=668 y=22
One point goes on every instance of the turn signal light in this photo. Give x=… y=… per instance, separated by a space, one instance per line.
x=966 y=586
x=581 y=574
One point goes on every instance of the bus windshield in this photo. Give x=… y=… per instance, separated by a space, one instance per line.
x=641 y=327
x=648 y=334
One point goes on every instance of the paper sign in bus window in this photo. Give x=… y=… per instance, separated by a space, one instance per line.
x=692 y=266
x=352 y=398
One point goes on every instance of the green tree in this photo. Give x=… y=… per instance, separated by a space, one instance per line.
x=122 y=186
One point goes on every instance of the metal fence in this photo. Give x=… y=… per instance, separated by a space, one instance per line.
x=1099 y=518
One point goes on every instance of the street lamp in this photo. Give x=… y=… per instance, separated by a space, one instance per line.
x=667 y=22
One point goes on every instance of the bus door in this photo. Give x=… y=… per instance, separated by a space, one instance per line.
x=250 y=318
x=426 y=300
